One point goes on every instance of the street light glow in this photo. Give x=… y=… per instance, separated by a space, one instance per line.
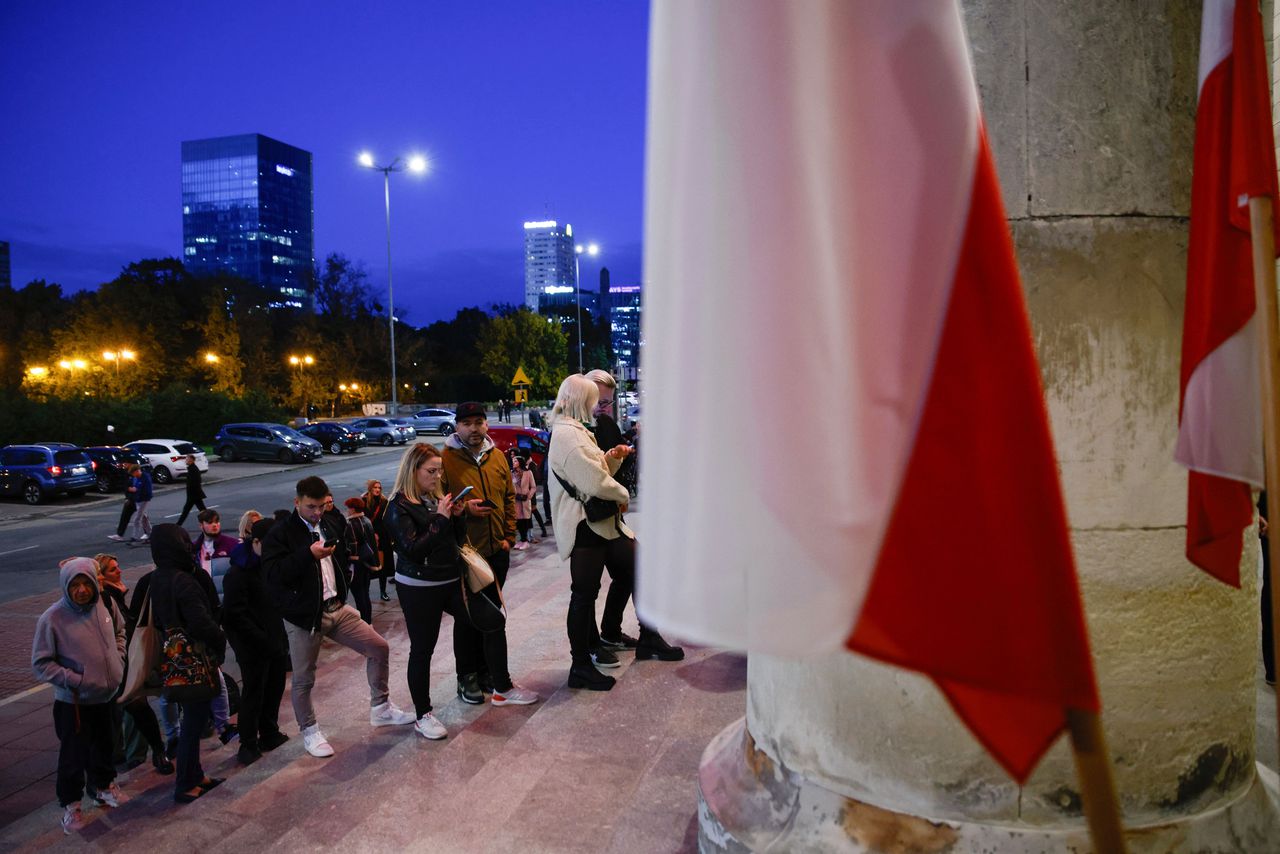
x=37 y=371
x=211 y=358
x=109 y=355
x=80 y=364
x=308 y=360
x=418 y=163
x=366 y=159
x=593 y=249
x=128 y=355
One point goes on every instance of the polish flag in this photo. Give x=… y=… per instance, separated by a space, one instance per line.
x=845 y=441
x=1220 y=411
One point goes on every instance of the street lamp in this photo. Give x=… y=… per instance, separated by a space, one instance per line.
x=592 y=249
x=211 y=358
x=417 y=164
x=301 y=362
x=117 y=356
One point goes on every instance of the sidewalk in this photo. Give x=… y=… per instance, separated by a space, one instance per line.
x=580 y=771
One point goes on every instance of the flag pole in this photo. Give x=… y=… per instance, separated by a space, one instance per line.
x=1097 y=787
x=1262 y=229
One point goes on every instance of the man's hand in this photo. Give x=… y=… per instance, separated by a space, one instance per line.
x=319 y=550
x=475 y=507
x=506 y=545
x=622 y=508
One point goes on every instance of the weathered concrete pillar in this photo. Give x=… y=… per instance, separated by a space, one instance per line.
x=1090 y=109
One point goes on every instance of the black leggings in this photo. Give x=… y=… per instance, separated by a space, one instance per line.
x=360 y=590
x=524 y=526
x=423 y=607
x=591 y=552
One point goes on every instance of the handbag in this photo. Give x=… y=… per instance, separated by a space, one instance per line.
x=597 y=509
x=145 y=652
x=476 y=572
x=187 y=671
x=366 y=553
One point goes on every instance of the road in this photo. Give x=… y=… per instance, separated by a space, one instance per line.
x=34 y=539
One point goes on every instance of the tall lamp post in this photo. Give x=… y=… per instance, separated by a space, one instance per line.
x=301 y=362
x=417 y=163
x=592 y=249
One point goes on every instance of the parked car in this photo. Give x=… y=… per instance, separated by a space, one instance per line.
x=264 y=441
x=334 y=437
x=381 y=431
x=111 y=465
x=531 y=444
x=40 y=472
x=406 y=426
x=168 y=457
x=440 y=421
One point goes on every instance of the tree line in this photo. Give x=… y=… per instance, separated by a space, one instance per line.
x=164 y=351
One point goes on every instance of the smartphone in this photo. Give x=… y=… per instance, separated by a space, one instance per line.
x=489 y=504
x=463 y=493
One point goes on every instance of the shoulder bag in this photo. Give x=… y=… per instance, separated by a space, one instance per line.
x=597 y=509
x=145 y=651
x=187 y=671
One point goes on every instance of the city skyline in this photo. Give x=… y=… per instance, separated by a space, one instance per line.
x=524 y=113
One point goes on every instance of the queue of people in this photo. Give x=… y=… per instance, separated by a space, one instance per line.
x=453 y=517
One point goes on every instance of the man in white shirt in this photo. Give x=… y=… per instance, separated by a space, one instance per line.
x=302 y=559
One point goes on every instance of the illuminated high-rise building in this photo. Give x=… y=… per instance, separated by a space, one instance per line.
x=548 y=261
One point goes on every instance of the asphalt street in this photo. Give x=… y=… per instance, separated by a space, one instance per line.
x=34 y=539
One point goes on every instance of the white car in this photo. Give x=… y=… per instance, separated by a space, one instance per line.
x=168 y=457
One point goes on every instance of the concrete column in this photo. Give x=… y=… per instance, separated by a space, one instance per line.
x=1090 y=109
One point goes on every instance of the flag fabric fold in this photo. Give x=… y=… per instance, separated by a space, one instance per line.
x=827 y=259
x=1220 y=407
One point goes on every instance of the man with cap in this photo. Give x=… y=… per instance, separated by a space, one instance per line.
x=471 y=459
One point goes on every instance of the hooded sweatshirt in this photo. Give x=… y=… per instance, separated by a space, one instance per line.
x=182 y=594
x=490 y=474
x=79 y=649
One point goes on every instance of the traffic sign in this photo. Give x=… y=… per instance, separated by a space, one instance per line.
x=520 y=379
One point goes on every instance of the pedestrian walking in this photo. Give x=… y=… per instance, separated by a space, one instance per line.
x=141 y=491
x=375 y=507
x=79 y=649
x=195 y=492
x=301 y=558
x=428 y=529
x=127 y=510
x=256 y=633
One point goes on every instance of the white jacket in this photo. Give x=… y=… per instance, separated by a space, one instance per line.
x=575 y=456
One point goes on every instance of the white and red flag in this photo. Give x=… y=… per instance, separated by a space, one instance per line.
x=845 y=439
x=1220 y=410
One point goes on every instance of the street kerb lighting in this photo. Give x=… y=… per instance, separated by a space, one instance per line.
x=418 y=165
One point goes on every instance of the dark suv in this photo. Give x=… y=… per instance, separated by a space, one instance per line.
x=40 y=472
x=111 y=463
x=335 y=437
x=259 y=441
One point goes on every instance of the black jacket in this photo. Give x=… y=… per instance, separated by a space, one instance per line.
x=182 y=594
x=426 y=543
x=194 y=489
x=253 y=624
x=293 y=574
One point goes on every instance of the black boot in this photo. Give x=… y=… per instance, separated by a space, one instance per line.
x=586 y=676
x=652 y=645
x=161 y=762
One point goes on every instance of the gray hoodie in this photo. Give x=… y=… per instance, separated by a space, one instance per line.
x=79 y=649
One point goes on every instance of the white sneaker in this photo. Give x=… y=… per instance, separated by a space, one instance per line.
x=115 y=538
x=517 y=696
x=521 y=546
x=388 y=715
x=428 y=727
x=72 y=819
x=111 y=796
x=315 y=742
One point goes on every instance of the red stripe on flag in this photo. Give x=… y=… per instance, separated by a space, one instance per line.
x=1218 y=510
x=975 y=584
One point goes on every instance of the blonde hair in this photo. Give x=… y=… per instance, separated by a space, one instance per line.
x=246 y=523
x=102 y=559
x=407 y=475
x=604 y=378
x=578 y=395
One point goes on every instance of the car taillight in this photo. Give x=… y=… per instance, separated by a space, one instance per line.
x=55 y=470
x=174 y=459
x=94 y=463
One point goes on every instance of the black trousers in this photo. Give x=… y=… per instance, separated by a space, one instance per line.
x=591 y=554
x=423 y=609
x=126 y=513
x=186 y=508
x=359 y=585
x=144 y=718
x=523 y=526
x=467 y=642
x=261 y=690
x=537 y=517
x=86 y=749
x=194 y=717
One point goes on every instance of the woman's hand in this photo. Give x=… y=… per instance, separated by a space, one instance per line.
x=445 y=506
x=619 y=452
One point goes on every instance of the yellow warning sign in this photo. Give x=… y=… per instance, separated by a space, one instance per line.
x=521 y=378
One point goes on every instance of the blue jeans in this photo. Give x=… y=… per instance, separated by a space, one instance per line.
x=220 y=705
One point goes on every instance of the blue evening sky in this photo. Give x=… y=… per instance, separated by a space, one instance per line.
x=527 y=110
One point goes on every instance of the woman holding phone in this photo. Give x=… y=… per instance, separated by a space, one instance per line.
x=428 y=530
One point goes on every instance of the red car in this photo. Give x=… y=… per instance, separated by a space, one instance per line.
x=527 y=441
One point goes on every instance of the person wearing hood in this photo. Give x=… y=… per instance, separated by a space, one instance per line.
x=256 y=632
x=471 y=459
x=183 y=597
x=79 y=649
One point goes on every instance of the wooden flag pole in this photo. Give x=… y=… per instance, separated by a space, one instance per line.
x=1262 y=229
x=1097 y=788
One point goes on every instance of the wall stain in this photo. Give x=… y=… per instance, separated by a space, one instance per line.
x=1217 y=770
x=887 y=832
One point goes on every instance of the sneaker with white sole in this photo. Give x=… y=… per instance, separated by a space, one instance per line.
x=72 y=819
x=428 y=727
x=604 y=658
x=111 y=796
x=388 y=715
x=115 y=538
x=315 y=742
x=516 y=696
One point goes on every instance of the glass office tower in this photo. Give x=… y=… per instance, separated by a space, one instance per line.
x=548 y=261
x=247 y=210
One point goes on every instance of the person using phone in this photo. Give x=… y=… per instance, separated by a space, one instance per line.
x=471 y=459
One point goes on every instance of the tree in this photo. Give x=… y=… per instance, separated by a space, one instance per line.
x=221 y=357
x=524 y=340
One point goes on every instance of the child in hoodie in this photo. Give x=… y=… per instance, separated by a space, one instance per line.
x=80 y=650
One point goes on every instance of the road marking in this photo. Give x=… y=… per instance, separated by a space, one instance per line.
x=13 y=698
x=23 y=549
